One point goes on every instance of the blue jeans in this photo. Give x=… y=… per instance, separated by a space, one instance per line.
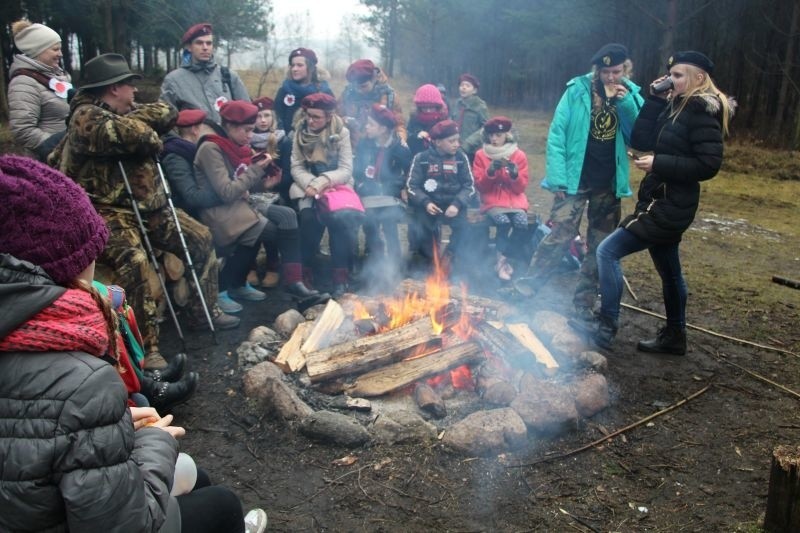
x=668 y=265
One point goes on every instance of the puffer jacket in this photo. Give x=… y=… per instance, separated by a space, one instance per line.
x=381 y=170
x=177 y=160
x=98 y=139
x=687 y=150
x=199 y=85
x=440 y=178
x=340 y=163
x=354 y=107
x=501 y=188
x=71 y=459
x=35 y=111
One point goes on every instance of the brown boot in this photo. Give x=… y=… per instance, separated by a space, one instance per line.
x=154 y=360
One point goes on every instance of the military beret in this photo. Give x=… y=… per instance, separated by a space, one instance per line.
x=322 y=101
x=265 y=102
x=239 y=112
x=692 y=58
x=198 y=30
x=610 y=55
x=360 y=71
x=469 y=78
x=383 y=115
x=497 y=125
x=308 y=53
x=444 y=129
x=190 y=117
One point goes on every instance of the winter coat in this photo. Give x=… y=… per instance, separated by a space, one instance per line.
x=355 y=105
x=288 y=98
x=416 y=126
x=501 y=188
x=71 y=459
x=471 y=114
x=340 y=162
x=569 y=135
x=199 y=85
x=35 y=112
x=687 y=150
x=442 y=179
x=381 y=170
x=231 y=219
x=98 y=139
x=177 y=159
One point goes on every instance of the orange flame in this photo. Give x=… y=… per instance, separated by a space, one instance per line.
x=437 y=292
x=360 y=311
x=464 y=327
x=461 y=377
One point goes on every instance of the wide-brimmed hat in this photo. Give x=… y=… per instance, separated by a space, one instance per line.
x=106 y=69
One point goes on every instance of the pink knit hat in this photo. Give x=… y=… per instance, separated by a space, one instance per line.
x=428 y=95
x=47 y=219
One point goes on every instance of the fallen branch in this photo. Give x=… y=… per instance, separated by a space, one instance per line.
x=780 y=280
x=579 y=520
x=615 y=433
x=713 y=333
x=630 y=289
x=762 y=378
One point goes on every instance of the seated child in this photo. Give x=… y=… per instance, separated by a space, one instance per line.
x=430 y=109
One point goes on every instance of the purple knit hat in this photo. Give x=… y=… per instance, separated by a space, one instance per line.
x=47 y=219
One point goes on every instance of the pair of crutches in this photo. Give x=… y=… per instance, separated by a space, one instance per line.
x=152 y=254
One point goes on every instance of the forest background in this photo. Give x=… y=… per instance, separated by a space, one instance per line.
x=522 y=50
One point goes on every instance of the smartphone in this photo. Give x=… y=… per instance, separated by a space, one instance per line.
x=632 y=155
x=258 y=157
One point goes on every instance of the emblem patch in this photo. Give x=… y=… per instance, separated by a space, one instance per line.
x=61 y=88
x=430 y=185
x=219 y=102
x=289 y=100
x=370 y=172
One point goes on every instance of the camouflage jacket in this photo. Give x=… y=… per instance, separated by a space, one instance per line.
x=98 y=139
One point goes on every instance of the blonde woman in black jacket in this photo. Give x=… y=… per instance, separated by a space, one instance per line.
x=682 y=123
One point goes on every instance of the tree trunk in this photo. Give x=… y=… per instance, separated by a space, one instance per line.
x=786 y=78
x=3 y=84
x=783 y=496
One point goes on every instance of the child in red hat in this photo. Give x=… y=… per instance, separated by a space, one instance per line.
x=430 y=108
x=470 y=113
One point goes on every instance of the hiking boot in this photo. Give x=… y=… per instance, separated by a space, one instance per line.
x=247 y=293
x=299 y=291
x=172 y=372
x=584 y=314
x=669 y=340
x=606 y=331
x=271 y=280
x=163 y=395
x=255 y=521
x=227 y=305
x=225 y=321
x=154 y=360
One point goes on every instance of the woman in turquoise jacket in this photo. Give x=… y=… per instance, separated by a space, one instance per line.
x=586 y=163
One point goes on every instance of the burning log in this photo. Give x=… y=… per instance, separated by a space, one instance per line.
x=502 y=344
x=366 y=353
x=429 y=401
x=324 y=327
x=525 y=336
x=291 y=358
x=400 y=374
x=495 y=308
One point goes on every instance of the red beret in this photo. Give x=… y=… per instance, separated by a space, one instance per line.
x=190 y=117
x=204 y=28
x=444 y=129
x=322 y=101
x=239 y=112
x=497 y=125
x=308 y=53
x=360 y=71
x=470 y=79
x=265 y=102
x=383 y=115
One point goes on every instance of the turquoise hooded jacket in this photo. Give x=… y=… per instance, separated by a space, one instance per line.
x=569 y=135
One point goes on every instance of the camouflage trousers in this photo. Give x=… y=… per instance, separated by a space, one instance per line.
x=603 y=216
x=126 y=255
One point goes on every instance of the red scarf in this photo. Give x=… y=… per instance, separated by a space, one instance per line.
x=72 y=323
x=429 y=118
x=237 y=155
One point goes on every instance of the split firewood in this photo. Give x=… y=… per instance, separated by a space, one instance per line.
x=429 y=401
x=291 y=358
x=173 y=266
x=181 y=292
x=495 y=308
x=398 y=375
x=503 y=344
x=324 y=327
x=366 y=353
x=353 y=404
x=528 y=339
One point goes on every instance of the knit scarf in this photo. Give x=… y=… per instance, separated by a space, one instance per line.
x=301 y=90
x=237 y=155
x=316 y=147
x=429 y=118
x=497 y=153
x=181 y=147
x=267 y=141
x=71 y=323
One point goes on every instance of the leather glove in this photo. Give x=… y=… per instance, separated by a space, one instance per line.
x=513 y=171
x=495 y=166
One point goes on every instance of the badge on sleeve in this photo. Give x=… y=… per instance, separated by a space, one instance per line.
x=370 y=172
x=289 y=100
x=61 y=88
x=218 y=102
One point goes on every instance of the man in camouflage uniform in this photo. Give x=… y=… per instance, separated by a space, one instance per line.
x=105 y=127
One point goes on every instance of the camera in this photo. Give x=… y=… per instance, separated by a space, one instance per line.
x=663 y=86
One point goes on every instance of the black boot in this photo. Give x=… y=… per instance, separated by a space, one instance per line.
x=163 y=395
x=669 y=340
x=606 y=331
x=299 y=290
x=172 y=372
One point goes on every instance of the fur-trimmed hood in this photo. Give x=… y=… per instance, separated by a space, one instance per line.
x=711 y=104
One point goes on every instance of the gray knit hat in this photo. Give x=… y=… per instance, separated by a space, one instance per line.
x=33 y=39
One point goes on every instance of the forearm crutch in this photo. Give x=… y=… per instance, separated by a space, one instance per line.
x=151 y=254
x=186 y=250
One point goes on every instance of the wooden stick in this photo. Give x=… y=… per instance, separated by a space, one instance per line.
x=713 y=333
x=762 y=378
x=615 y=433
x=630 y=289
x=780 y=280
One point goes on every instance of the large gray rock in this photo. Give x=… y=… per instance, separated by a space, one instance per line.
x=334 y=428
x=549 y=409
x=255 y=378
x=312 y=313
x=287 y=321
x=264 y=383
x=487 y=432
x=500 y=393
x=594 y=360
x=252 y=353
x=591 y=395
x=568 y=343
x=403 y=426
x=265 y=337
x=546 y=324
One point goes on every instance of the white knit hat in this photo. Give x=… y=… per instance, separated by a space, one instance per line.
x=35 y=39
